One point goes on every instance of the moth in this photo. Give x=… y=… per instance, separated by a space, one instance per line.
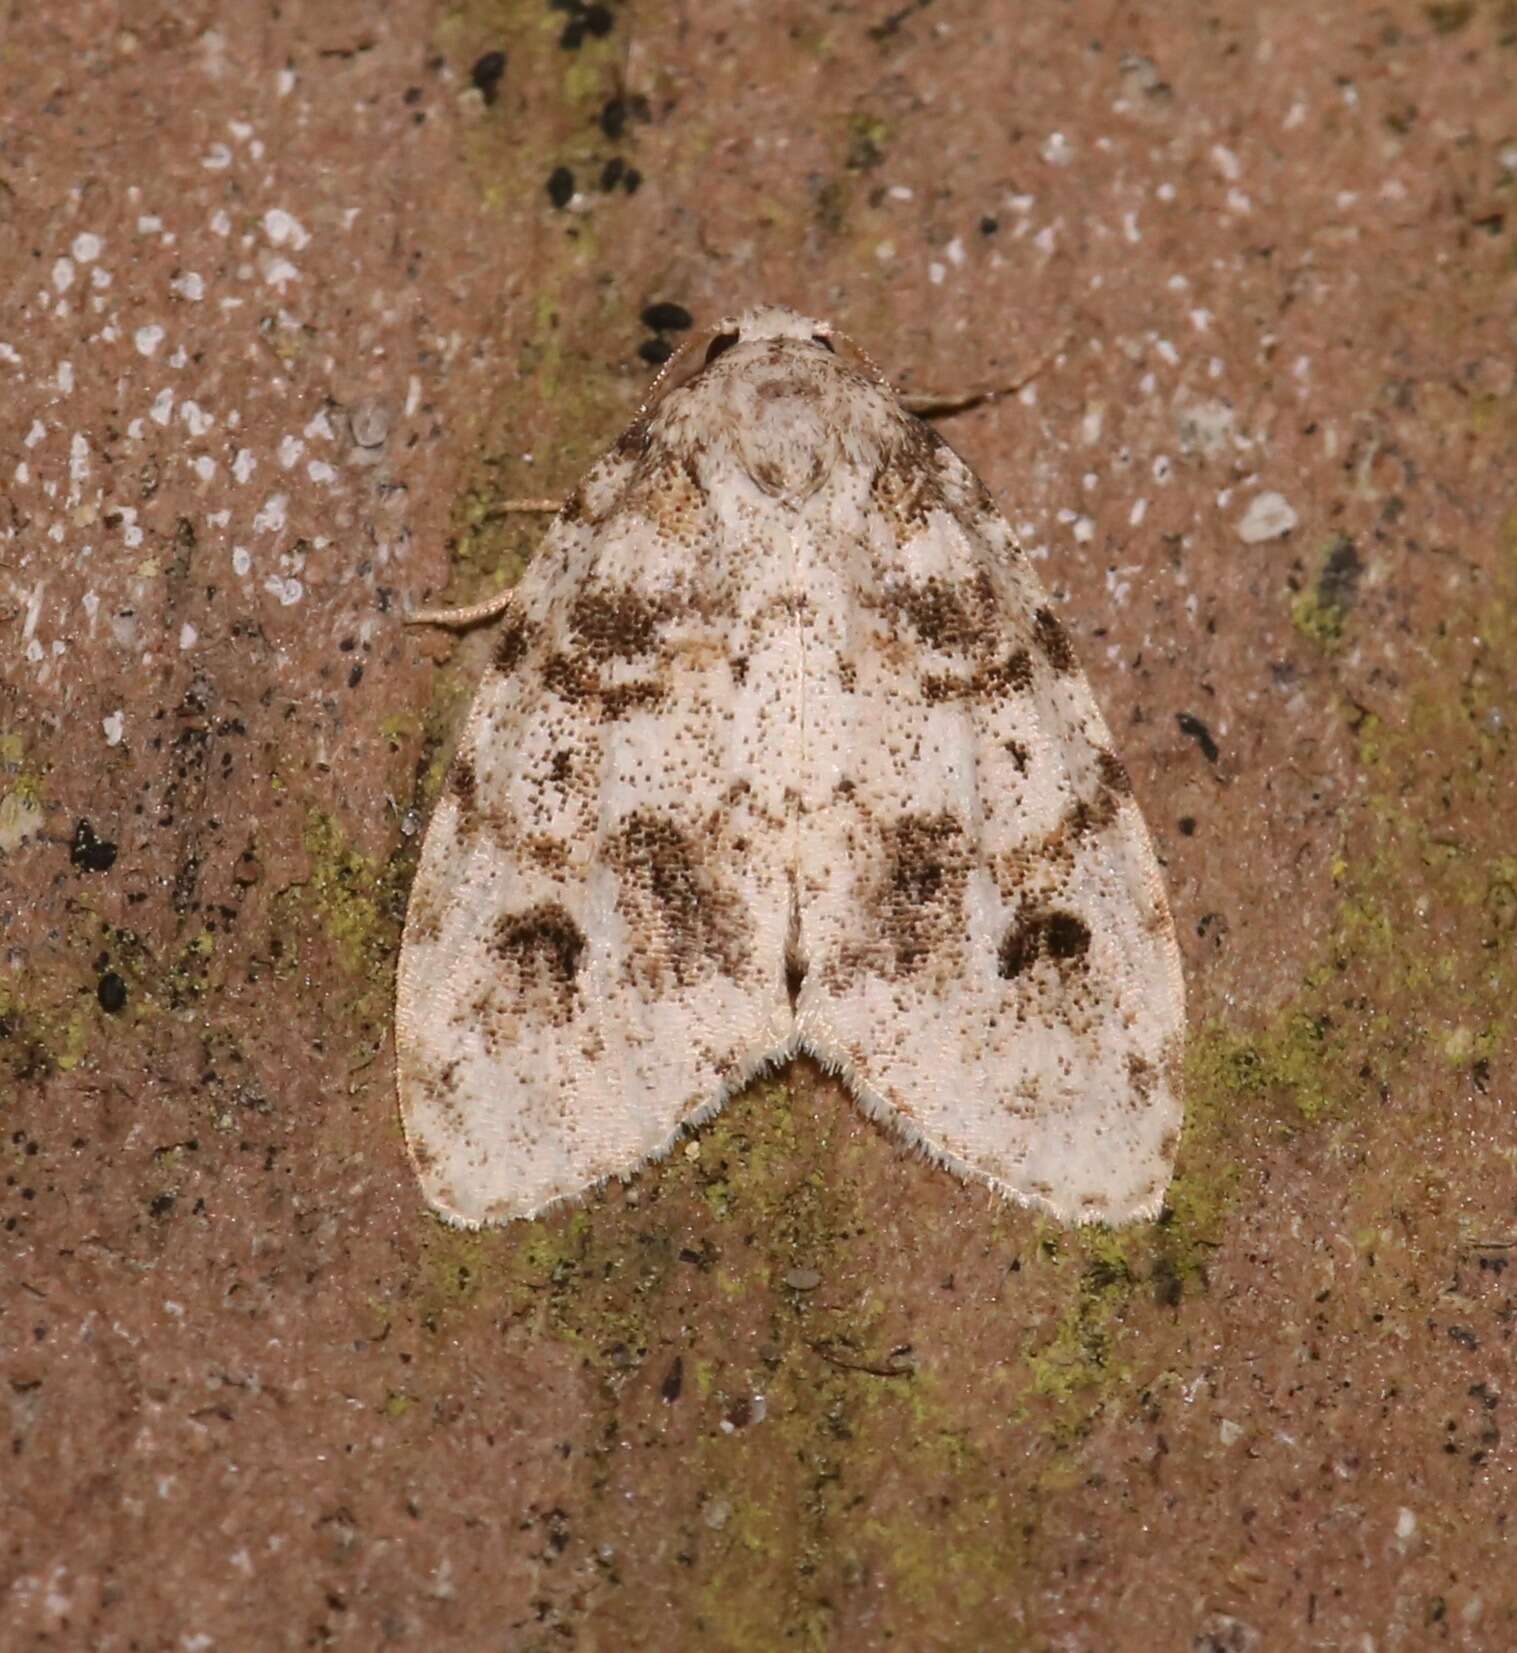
x=782 y=749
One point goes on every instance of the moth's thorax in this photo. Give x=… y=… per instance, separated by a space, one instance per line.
x=783 y=411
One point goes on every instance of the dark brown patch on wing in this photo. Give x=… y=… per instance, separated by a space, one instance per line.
x=513 y=642
x=1061 y=937
x=684 y=921
x=633 y=442
x=1113 y=773
x=570 y=678
x=908 y=482
x=617 y=622
x=463 y=783
x=944 y=615
x=920 y=900
x=966 y=619
x=623 y=699
x=1051 y=637
x=546 y=853
x=1142 y=1075
x=666 y=488
x=1014 y=674
x=995 y=681
x=540 y=951
x=1087 y=816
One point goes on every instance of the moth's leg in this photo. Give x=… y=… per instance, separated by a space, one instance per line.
x=928 y=404
x=536 y=503
x=487 y=608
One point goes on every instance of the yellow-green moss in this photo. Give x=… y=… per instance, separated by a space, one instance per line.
x=346 y=894
x=867 y=138
x=1292 y=1058
x=562 y=404
x=44 y=1035
x=23 y=813
x=21 y=818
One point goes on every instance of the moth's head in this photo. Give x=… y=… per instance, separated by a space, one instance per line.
x=765 y=327
x=766 y=322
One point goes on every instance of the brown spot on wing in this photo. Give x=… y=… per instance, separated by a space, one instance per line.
x=539 y=950
x=1052 y=638
x=463 y=784
x=996 y=681
x=666 y=488
x=920 y=898
x=571 y=679
x=514 y=640
x=908 y=481
x=1142 y=1075
x=1113 y=773
x=1063 y=938
x=684 y=920
x=633 y=442
x=617 y=622
x=1088 y=816
x=937 y=610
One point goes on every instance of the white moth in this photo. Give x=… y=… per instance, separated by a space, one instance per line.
x=782 y=750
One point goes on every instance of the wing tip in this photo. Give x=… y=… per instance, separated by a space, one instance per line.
x=495 y=1208
x=1141 y=1202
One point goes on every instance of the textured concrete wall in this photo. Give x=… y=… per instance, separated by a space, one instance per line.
x=290 y=298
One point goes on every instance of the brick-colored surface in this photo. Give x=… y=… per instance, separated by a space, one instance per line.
x=285 y=306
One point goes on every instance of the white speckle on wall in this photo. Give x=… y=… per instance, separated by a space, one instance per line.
x=1269 y=517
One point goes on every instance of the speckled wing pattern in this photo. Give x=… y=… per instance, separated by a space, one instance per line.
x=781 y=749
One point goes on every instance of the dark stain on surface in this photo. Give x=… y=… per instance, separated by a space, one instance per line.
x=89 y=853
x=1191 y=725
